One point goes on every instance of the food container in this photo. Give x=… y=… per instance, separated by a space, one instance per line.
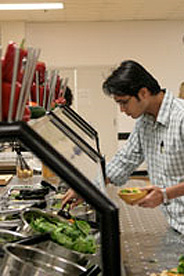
x=49 y=175
x=16 y=207
x=71 y=255
x=46 y=172
x=9 y=236
x=19 y=193
x=20 y=197
x=22 y=260
x=171 y=272
x=27 y=213
x=50 y=246
x=83 y=211
x=131 y=195
x=10 y=219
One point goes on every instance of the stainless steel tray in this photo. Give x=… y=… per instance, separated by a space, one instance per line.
x=60 y=251
x=24 y=260
x=9 y=223
x=9 y=236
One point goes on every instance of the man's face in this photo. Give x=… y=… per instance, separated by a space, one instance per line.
x=131 y=105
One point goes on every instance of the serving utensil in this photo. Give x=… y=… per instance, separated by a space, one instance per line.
x=37 y=88
x=13 y=84
x=53 y=80
x=32 y=58
x=36 y=53
x=45 y=89
x=0 y=84
x=63 y=88
x=67 y=215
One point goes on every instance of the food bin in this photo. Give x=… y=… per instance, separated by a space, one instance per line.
x=51 y=246
x=23 y=260
x=10 y=219
x=9 y=236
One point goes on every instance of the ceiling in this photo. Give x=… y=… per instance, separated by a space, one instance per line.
x=101 y=11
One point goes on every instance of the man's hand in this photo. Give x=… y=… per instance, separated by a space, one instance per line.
x=153 y=199
x=72 y=198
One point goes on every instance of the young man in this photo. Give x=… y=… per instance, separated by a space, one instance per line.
x=157 y=139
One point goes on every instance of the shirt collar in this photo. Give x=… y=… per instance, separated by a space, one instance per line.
x=164 y=111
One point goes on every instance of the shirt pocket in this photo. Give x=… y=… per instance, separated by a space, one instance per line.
x=173 y=159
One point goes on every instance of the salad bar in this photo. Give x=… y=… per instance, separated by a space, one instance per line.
x=105 y=235
x=53 y=234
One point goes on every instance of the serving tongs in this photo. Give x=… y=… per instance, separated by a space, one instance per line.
x=1 y=106
x=34 y=239
x=22 y=161
x=32 y=58
x=51 y=92
x=66 y=214
x=45 y=184
x=13 y=84
x=63 y=86
x=94 y=270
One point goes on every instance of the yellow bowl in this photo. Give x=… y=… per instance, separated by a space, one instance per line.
x=168 y=273
x=174 y=273
x=130 y=195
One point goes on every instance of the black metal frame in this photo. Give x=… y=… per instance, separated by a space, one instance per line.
x=81 y=123
x=108 y=211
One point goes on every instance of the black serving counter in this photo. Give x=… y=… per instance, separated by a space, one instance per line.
x=148 y=244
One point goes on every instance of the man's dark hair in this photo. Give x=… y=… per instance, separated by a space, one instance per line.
x=128 y=79
x=68 y=96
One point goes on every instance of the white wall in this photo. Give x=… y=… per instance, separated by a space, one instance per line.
x=12 y=31
x=156 y=44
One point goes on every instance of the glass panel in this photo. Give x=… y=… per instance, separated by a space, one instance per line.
x=78 y=127
x=88 y=162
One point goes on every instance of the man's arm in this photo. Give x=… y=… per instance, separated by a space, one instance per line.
x=126 y=160
x=155 y=195
x=72 y=198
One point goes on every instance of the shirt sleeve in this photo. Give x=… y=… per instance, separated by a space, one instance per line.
x=126 y=160
x=182 y=129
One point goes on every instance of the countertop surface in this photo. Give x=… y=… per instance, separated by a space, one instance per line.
x=148 y=244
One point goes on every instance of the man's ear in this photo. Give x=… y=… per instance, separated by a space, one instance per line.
x=143 y=93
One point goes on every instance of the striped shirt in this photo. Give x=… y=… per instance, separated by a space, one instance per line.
x=160 y=144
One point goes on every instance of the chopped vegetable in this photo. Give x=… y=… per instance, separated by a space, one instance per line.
x=128 y=191
x=37 y=111
x=83 y=226
x=181 y=258
x=74 y=235
x=41 y=225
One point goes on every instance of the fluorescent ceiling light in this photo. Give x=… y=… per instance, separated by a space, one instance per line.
x=32 y=6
